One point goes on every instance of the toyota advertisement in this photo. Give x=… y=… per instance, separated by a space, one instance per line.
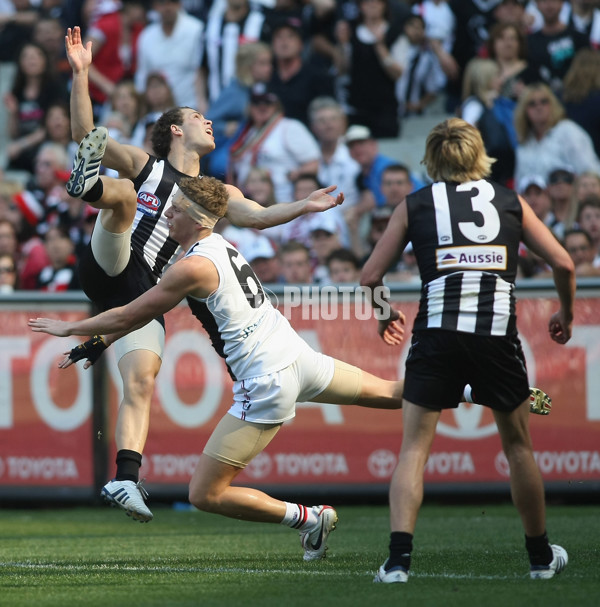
x=49 y=436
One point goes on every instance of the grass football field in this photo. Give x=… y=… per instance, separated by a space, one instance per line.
x=464 y=555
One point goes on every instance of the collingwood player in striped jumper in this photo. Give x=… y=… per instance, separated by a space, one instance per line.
x=271 y=365
x=465 y=231
x=130 y=247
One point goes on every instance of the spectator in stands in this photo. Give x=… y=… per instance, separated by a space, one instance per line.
x=56 y=9
x=492 y=114
x=158 y=95
x=560 y=191
x=579 y=245
x=49 y=33
x=124 y=112
x=473 y=22
x=226 y=31
x=366 y=57
x=284 y=11
x=320 y=17
x=396 y=184
x=58 y=129
x=77 y=218
x=295 y=80
x=259 y=187
x=440 y=23
x=254 y=64
x=47 y=186
x=8 y=274
x=16 y=25
x=262 y=257
x=534 y=189
x=343 y=266
x=283 y=146
x=113 y=30
x=156 y=99
x=324 y=239
x=552 y=48
x=35 y=88
x=296 y=267
x=365 y=151
x=586 y=184
x=547 y=139
x=299 y=229
x=588 y=219
x=585 y=18
x=22 y=242
x=328 y=123
x=378 y=221
x=60 y=274
x=174 y=47
x=9 y=244
x=581 y=92
x=507 y=47
x=513 y=12
x=422 y=77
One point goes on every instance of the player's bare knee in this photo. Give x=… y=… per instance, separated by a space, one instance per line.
x=140 y=387
x=202 y=499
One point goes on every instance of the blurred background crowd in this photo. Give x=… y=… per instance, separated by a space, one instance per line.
x=304 y=94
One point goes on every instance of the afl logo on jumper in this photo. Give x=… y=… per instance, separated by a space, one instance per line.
x=148 y=203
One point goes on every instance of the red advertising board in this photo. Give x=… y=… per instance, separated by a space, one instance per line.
x=331 y=445
x=45 y=412
x=46 y=429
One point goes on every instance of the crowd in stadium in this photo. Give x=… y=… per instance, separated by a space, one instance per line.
x=301 y=93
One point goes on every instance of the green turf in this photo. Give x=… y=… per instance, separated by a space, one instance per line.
x=464 y=555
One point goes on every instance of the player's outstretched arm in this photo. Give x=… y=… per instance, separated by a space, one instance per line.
x=246 y=213
x=126 y=159
x=196 y=276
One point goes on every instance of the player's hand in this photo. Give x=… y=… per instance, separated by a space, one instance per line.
x=60 y=328
x=79 y=56
x=560 y=327
x=391 y=330
x=320 y=200
x=91 y=350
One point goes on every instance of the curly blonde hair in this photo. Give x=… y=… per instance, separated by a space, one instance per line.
x=207 y=192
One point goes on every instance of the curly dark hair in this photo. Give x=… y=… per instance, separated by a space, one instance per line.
x=161 y=131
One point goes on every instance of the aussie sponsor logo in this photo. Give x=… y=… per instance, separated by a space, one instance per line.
x=472 y=257
x=148 y=203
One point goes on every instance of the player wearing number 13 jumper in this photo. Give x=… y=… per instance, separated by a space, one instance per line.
x=465 y=232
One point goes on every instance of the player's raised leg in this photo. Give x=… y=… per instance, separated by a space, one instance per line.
x=351 y=385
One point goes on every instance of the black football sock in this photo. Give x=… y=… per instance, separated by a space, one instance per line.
x=400 y=549
x=128 y=465
x=539 y=550
x=94 y=193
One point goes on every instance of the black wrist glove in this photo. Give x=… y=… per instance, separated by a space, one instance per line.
x=90 y=350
